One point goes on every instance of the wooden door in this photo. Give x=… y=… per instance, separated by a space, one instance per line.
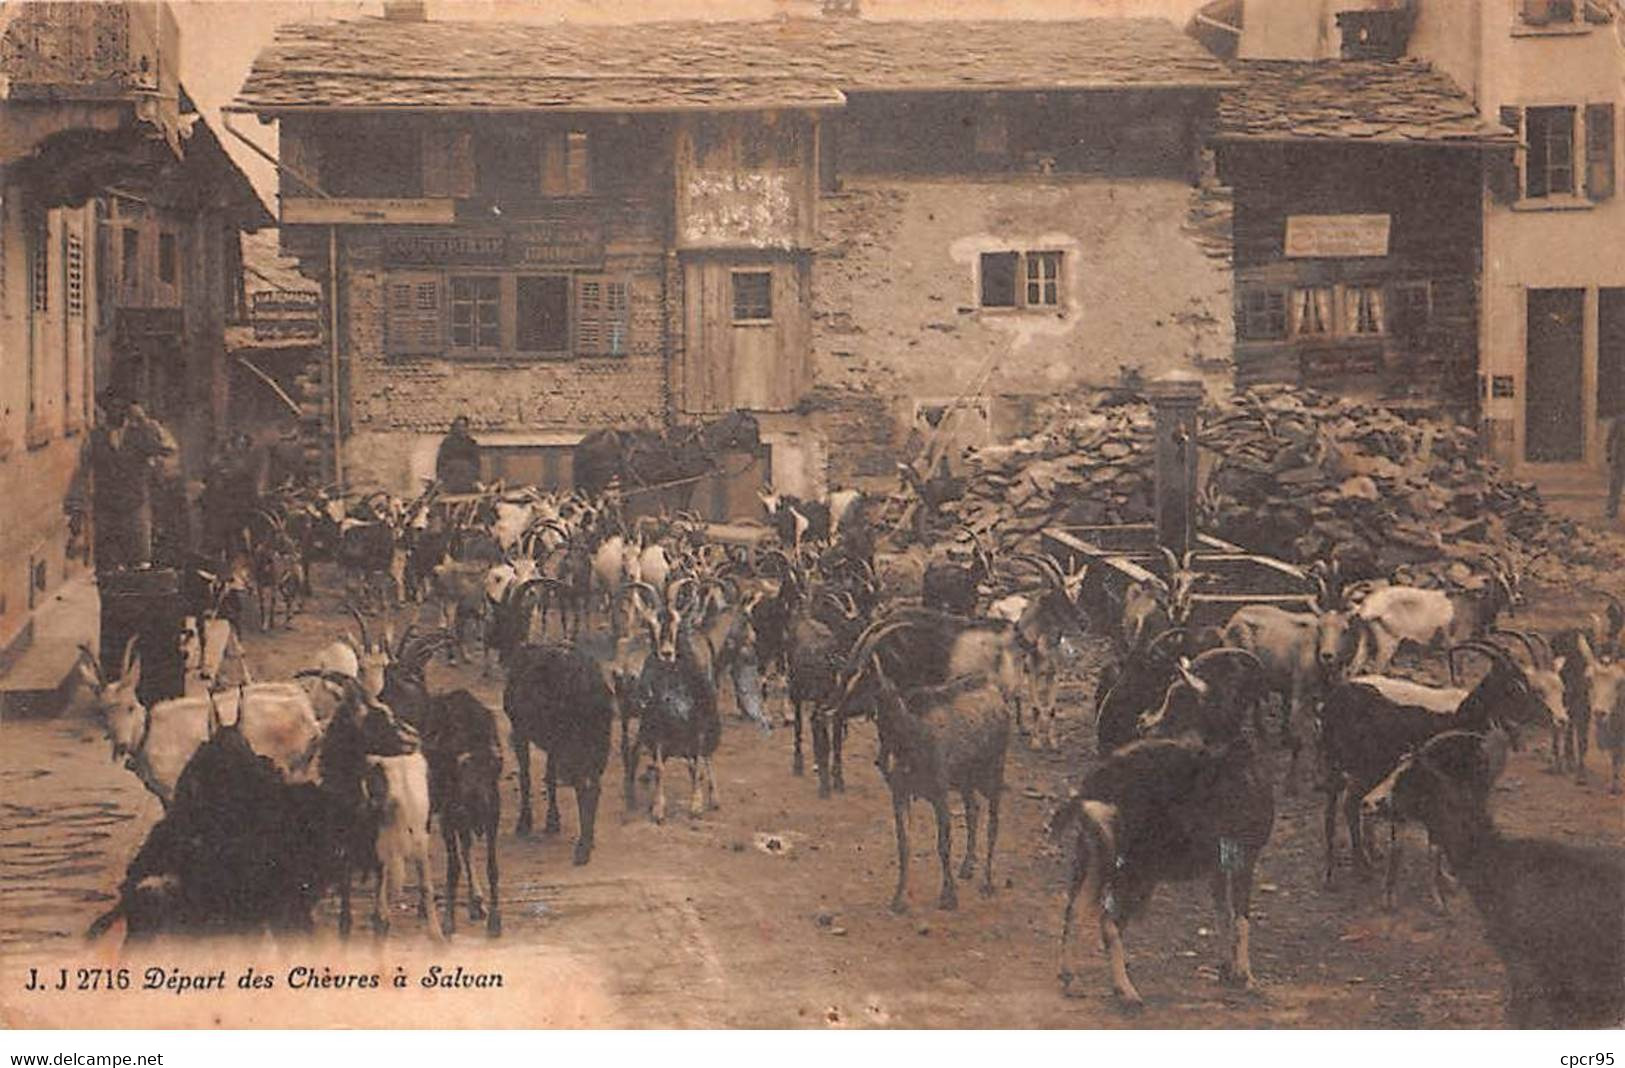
x=1553 y=377
x=747 y=335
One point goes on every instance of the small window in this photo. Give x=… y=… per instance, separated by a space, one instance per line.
x=476 y=316
x=76 y=276
x=39 y=282
x=565 y=164
x=166 y=258
x=544 y=314
x=1312 y=311
x=1363 y=309
x=1262 y=315
x=1043 y=279
x=1021 y=279
x=753 y=296
x=1550 y=167
x=131 y=257
x=1547 y=12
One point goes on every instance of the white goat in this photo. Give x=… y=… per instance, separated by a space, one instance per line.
x=397 y=791
x=1393 y=615
x=276 y=718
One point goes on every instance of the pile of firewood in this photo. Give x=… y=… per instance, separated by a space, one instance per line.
x=1295 y=474
x=1091 y=464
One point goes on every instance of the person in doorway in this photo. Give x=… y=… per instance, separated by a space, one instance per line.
x=124 y=456
x=1616 y=464
x=457 y=465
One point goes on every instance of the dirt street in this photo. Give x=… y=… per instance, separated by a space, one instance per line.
x=768 y=913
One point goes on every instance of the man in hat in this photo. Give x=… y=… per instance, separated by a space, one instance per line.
x=457 y=465
x=125 y=453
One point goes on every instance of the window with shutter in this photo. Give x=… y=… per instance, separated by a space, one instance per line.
x=602 y=306
x=412 y=314
x=1599 y=151
x=566 y=164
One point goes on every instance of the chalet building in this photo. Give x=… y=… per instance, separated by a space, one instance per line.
x=1357 y=187
x=119 y=219
x=1551 y=330
x=844 y=227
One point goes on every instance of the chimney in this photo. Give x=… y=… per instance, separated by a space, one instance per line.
x=406 y=10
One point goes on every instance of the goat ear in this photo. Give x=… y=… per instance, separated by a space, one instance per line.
x=131 y=679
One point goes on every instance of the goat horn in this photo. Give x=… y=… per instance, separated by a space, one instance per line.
x=1523 y=639
x=129 y=656
x=1214 y=656
x=1489 y=649
x=676 y=587
x=1194 y=681
x=870 y=640
x=1154 y=644
x=1045 y=566
x=366 y=639
x=632 y=588
x=95 y=663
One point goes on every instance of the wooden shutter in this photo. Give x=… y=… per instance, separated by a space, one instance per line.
x=412 y=303
x=448 y=163
x=1599 y=151
x=602 y=307
x=1507 y=170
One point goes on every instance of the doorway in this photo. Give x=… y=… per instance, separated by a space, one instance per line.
x=1553 y=377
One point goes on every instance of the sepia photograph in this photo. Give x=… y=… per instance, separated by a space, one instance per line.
x=816 y=515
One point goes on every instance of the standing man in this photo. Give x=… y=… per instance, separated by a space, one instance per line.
x=1616 y=464
x=457 y=465
x=123 y=458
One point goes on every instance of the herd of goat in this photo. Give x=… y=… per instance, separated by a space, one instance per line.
x=276 y=793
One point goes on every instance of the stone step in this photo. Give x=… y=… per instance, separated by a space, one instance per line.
x=34 y=682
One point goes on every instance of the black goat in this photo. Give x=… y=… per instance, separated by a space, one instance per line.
x=240 y=850
x=1551 y=910
x=1188 y=802
x=956 y=587
x=818 y=648
x=675 y=701
x=1368 y=724
x=557 y=699
x=935 y=739
x=796 y=520
x=366 y=553
x=1140 y=683
x=463 y=745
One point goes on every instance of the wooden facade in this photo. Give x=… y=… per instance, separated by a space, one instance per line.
x=1379 y=286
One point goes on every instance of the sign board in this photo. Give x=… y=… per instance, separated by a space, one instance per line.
x=574 y=242
x=1336 y=236
x=366 y=211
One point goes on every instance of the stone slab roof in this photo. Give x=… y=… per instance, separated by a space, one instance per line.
x=1402 y=101
x=662 y=66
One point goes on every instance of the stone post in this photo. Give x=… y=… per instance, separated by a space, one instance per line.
x=1175 y=398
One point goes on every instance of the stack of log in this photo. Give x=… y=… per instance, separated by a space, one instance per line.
x=1091 y=464
x=1306 y=476
x=1295 y=474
